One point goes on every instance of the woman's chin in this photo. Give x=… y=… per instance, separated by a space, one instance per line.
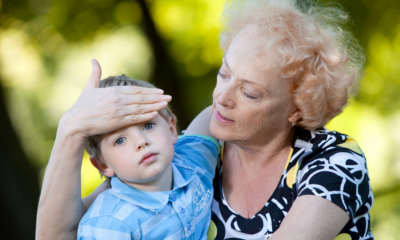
x=221 y=133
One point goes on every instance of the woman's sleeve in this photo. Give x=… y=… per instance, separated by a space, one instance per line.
x=339 y=175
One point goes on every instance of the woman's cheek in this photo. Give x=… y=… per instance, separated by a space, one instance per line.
x=250 y=126
x=216 y=91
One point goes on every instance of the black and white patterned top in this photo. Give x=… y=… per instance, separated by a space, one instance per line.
x=322 y=163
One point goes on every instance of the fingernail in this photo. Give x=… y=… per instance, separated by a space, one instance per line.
x=167 y=97
x=160 y=91
x=162 y=104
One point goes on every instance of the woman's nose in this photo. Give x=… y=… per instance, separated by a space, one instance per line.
x=225 y=96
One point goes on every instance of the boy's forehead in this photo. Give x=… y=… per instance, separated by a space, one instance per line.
x=137 y=125
x=157 y=119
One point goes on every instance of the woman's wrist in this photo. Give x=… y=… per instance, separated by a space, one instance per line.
x=70 y=128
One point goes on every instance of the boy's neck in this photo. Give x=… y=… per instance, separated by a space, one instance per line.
x=162 y=182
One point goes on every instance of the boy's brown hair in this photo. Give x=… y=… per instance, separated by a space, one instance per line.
x=92 y=142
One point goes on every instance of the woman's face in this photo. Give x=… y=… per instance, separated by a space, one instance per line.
x=251 y=100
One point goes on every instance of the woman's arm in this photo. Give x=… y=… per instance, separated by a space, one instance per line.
x=201 y=123
x=60 y=205
x=96 y=111
x=312 y=217
x=87 y=201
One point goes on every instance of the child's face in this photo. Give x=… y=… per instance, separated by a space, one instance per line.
x=141 y=152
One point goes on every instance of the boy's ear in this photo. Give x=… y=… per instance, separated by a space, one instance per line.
x=172 y=129
x=102 y=167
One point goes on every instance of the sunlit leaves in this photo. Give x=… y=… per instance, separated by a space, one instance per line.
x=128 y=12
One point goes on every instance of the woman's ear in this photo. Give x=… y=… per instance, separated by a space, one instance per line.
x=172 y=129
x=295 y=117
x=102 y=167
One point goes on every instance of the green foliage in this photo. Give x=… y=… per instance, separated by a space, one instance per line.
x=46 y=47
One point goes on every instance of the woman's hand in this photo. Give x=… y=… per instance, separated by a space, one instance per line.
x=97 y=111
x=102 y=110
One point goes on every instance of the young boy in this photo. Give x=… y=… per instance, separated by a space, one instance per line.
x=158 y=190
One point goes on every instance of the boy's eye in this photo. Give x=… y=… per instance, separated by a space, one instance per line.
x=148 y=126
x=120 y=141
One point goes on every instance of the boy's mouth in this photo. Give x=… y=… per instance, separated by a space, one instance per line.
x=148 y=158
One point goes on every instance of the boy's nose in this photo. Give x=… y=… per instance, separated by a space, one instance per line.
x=142 y=143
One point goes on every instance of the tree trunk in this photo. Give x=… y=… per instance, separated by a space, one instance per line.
x=164 y=75
x=19 y=184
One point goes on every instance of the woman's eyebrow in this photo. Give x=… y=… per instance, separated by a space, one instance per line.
x=255 y=84
x=224 y=60
x=245 y=80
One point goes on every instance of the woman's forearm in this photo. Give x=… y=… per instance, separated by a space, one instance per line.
x=320 y=219
x=60 y=204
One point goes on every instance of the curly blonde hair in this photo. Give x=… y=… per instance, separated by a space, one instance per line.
x=314 y=50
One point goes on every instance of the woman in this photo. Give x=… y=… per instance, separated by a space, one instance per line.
x=287 y=71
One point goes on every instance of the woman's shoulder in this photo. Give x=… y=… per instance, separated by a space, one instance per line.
x=332 y=165
x=329 y=152
x=321 y=142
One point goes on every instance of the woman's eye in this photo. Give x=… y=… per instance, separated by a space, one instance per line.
x=120 y=141
x=148 y=126
x=250 y=96
x=222 y=75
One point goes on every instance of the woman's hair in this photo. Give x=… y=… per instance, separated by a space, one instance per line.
x=313 y=50
x=92 y=142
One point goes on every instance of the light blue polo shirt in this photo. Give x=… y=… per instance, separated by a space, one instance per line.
x=124 y=212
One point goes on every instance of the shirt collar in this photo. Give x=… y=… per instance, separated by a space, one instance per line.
x=154 y=201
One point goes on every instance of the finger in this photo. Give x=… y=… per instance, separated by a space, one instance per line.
x=134 y=90
x=95 y=76
x=144 y=99
x=133 y=119
x=138 y=109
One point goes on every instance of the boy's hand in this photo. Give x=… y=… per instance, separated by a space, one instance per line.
x=102 y=110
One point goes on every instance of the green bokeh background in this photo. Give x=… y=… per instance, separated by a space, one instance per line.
x=45 y=52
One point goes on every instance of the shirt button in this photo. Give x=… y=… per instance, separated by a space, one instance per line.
x=193 y=172
x=189 y=226
x=182 y=210
x=173 y=198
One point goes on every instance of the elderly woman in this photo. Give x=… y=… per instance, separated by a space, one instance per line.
x=287 y=70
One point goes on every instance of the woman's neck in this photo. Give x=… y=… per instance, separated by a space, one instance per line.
x=265 y=151
x=250 y=167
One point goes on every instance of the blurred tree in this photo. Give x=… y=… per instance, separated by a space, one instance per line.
x=19 y=191
x=19 y=188
x=183 y=37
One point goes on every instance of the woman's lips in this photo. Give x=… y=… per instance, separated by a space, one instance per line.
x=148 y=158
x=222 y=118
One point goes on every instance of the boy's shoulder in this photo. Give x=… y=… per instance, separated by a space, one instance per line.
x=111 y=212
